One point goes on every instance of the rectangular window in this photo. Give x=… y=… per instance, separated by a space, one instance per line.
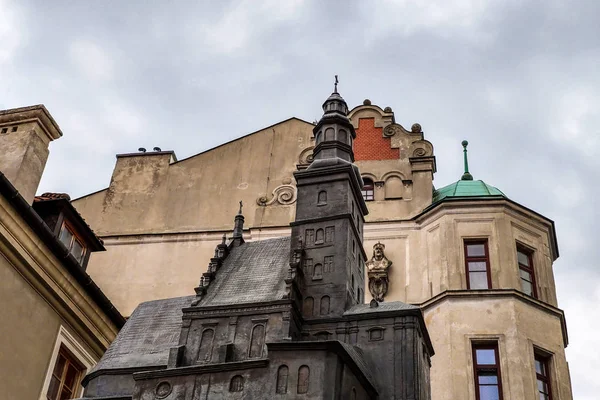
x=542 y=373
x=477 y=262
x=526 y=273
x=486 y=365
x=66 y=376
x=72 y=243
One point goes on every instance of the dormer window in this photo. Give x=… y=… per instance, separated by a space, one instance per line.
x=72 y=243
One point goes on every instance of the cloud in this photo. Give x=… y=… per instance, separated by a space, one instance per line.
x=91 y=60
x=517 y=79
x=12 y=34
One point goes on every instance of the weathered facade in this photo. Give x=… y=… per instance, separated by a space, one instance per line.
x=283 y=317
x=51 y=309
x=161 y=219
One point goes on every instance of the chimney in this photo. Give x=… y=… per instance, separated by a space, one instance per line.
x=25 y=134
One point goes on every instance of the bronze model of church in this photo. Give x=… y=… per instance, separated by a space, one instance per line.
x=282 y=318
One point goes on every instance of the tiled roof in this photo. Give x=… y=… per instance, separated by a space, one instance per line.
x=52 y=196
x=253 y=272
x=146 y=338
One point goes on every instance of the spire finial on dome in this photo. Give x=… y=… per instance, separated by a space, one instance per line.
x=466 y=176
x=335 y=85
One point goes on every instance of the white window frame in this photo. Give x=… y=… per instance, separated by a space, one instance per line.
x=64 y=338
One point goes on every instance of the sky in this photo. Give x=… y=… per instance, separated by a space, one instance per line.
x=518 y=79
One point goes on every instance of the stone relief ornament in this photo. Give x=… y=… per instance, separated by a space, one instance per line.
x=283 y=194
x=391 y=130
x=377 y=271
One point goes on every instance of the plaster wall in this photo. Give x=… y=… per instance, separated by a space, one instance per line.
x=29 y=330
x=517 y=326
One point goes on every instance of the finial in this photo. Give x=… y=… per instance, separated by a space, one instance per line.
x=241 y=205
x=335 y=85
x=466 y=176
x=224 y=239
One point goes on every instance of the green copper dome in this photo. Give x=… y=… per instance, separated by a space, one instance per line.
x=464 y=188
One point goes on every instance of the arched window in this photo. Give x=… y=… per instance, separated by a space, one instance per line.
x=353 y=397
x=368 y=190
x=206 y=345
x=329 y=134
x=393 y=188
x=324 y=309
x=236 y=384
x=343 y=136
x=322 y=198
x=320 y=236
x=303 y=379
x=318 y=272
x=257 y=341
x=309 y=303
x=282 y=380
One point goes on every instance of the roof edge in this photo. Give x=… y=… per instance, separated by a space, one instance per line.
x=58 y=249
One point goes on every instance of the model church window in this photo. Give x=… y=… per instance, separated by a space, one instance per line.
x=486 y=364
x=320 y=236
x=542 y=374
x=308 y=306
x=526 y=273
x=308 y=267
x=236 y=384
x=477 y=264
x=322 y=198
x=324 y=309
x=329 y=234
x=368 y=190
x=65 y=376
x=257 y=341
x=206 y=345
x=328 y=264
x=72 y=243
x=309 y=237
x=282 y=380
x=303 y=379
x=318 y=272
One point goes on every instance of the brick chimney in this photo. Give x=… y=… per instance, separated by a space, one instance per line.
x=25 y=134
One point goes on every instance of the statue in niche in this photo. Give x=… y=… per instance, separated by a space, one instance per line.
x=377 y=271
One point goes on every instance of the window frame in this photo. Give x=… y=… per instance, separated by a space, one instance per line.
x=529 y=269
x=368 y=190
x=545 y=360
x=68 y=341
x=74 y=237
x=483 y=367
x=70 y=361
x=486 y=259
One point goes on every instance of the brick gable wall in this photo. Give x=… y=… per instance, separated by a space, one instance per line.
x=370 y=144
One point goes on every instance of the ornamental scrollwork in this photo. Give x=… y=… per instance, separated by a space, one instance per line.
x=391 y=130
x=283 y=194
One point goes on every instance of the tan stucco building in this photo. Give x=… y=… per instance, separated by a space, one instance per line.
x=55 y=321
x=478 y=264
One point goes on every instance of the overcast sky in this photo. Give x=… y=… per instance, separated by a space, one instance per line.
x=518 y=79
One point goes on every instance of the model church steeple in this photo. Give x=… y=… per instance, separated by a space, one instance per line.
x=329 y=218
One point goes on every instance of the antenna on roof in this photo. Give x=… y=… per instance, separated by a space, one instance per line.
x=466 y=176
